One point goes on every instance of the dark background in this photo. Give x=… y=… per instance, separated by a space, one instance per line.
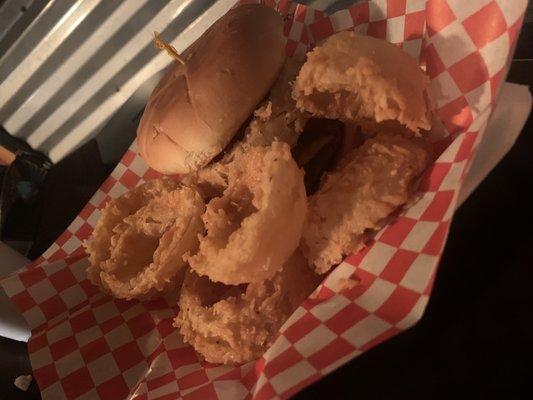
x=475 y=339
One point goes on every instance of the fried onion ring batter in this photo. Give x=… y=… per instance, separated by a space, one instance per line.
x=277 y=118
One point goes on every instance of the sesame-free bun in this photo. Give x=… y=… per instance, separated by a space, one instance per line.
x=197 y=108
x=358 y=78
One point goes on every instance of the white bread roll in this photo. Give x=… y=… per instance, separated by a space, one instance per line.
x=197 y=108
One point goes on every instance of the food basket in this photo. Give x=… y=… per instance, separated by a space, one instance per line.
x=85 y=344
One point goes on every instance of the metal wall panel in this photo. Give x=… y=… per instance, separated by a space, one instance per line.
x=67 y=66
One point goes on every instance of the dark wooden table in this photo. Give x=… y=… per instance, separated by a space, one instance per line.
x=475 y=338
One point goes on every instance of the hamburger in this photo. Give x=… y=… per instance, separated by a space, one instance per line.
x=199 y=106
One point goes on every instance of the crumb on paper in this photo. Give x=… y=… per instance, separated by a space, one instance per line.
x=23 y=382
x=264 y=112
x=347 y=283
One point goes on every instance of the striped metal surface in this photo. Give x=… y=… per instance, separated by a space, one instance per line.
x=67 y=67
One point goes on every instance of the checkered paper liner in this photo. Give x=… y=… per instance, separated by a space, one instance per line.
x=86 y=345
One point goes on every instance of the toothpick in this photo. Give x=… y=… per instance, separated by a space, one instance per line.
x=160 y=44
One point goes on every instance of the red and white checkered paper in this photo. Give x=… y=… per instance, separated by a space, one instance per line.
x=85 y=344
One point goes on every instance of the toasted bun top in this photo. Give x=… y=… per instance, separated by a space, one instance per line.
x=197 y=108
x=353 y=78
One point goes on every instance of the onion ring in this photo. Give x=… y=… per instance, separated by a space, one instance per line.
x=373 y=182
x=140 y=240
x=352 y=78
x=236 y=324
x=256 y=224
